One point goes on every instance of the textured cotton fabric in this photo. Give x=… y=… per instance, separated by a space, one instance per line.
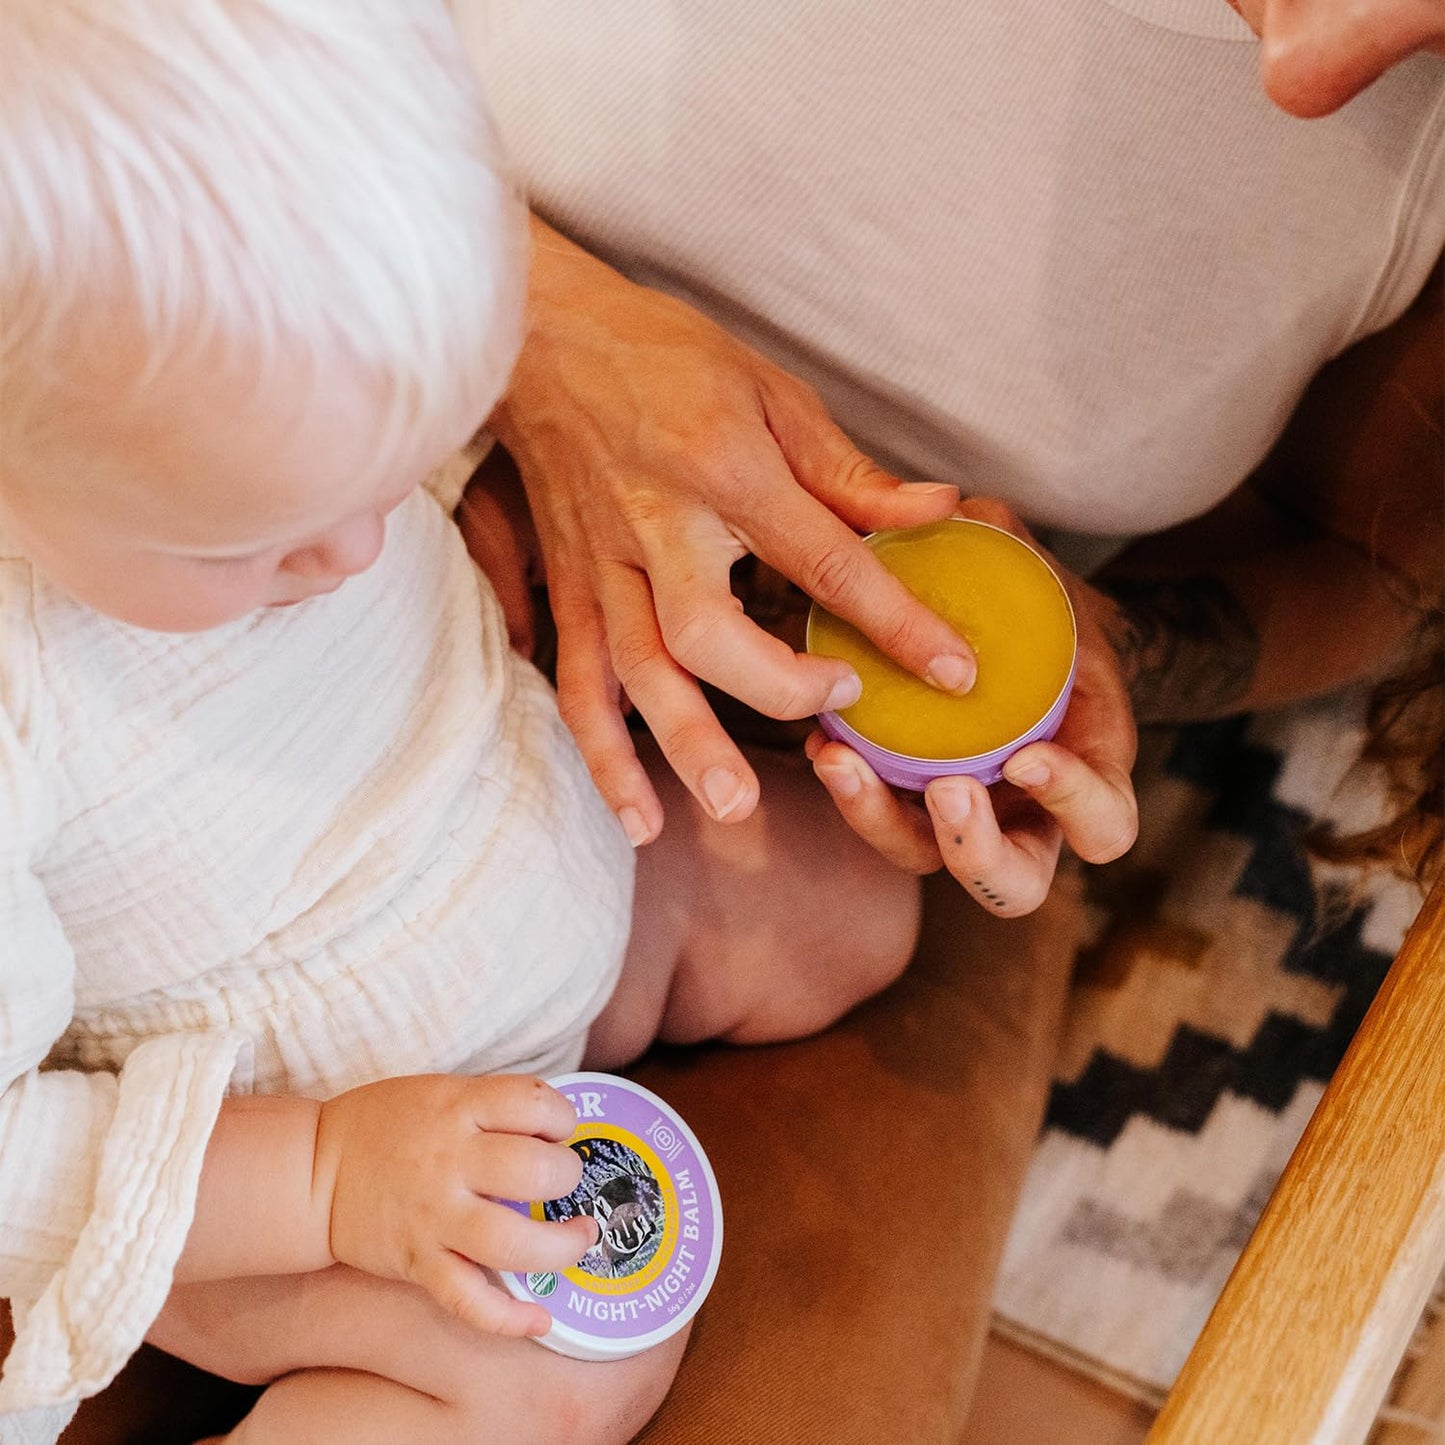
x=1065 y=254
x=319 y=846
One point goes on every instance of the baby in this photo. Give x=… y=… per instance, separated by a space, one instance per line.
x=302 y=881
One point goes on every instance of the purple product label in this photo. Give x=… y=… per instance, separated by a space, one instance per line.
x=646 y=1183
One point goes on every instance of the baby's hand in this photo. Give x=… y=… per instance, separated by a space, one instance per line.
x=414 y=1168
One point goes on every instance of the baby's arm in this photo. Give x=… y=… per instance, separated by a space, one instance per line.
x=258 y=1210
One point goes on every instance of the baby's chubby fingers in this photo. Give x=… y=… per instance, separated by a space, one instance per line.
x=491 y=1234
x=516 y=1104
x=463 y=1290
x=1095 y=806
x=517 y=1166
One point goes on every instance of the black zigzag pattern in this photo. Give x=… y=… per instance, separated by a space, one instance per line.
x=1182 y=1090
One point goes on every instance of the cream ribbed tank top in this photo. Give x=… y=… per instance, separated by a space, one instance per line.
x=1066 y=254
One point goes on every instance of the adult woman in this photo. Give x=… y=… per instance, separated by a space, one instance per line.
x=657 y=448
x=1074 y=261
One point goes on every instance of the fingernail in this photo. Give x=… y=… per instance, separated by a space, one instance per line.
x=846 y=691
x=927 y=489
x=951 y=673
x=1030 y=773
x=840 y=779
x=951 y=801
x=635 y=826
x=723 y=791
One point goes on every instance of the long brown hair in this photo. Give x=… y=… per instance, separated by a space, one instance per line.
x=1405 y=741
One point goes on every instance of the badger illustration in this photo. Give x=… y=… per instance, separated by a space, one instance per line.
x=619 y=1191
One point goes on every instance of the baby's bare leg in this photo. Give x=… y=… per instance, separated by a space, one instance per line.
x=767 y=929
x=364 y=1361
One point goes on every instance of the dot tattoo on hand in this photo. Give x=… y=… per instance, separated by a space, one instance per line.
x=988 y=893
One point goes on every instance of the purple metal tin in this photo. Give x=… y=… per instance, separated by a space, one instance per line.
x=902 y=770
x=651 y=1189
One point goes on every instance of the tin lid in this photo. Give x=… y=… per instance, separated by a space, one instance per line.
x=647 y=1182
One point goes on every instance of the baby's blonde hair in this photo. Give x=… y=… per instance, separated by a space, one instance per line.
x=247 y=176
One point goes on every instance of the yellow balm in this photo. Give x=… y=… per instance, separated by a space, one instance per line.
x=1004 y=598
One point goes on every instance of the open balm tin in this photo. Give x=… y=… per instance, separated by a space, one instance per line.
x=651 y=1190
x=1010 y=605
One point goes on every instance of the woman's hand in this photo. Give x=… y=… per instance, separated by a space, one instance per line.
x=500 y=538
x=657 y=451
x=1002 y=844
x=413 y=1169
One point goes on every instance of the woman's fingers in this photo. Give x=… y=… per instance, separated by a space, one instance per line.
x=835 y=490
x=588 y=699
x=895 y=828
x=1008 y=869
x=692 y=740
x=1007 y=866
x=822 y=459
x=799 y=537
x=1097 y=813
x=1083 y=777
x=705 y=629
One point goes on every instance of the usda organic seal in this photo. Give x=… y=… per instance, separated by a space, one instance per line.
x=647 y=1183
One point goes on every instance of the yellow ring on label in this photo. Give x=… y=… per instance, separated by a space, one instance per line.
x=672 y=1225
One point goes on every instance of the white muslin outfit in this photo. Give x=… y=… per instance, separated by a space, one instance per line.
x=1065 y=254
x=319 y=846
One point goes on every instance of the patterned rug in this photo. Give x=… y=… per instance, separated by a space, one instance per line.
x=1219 y=982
